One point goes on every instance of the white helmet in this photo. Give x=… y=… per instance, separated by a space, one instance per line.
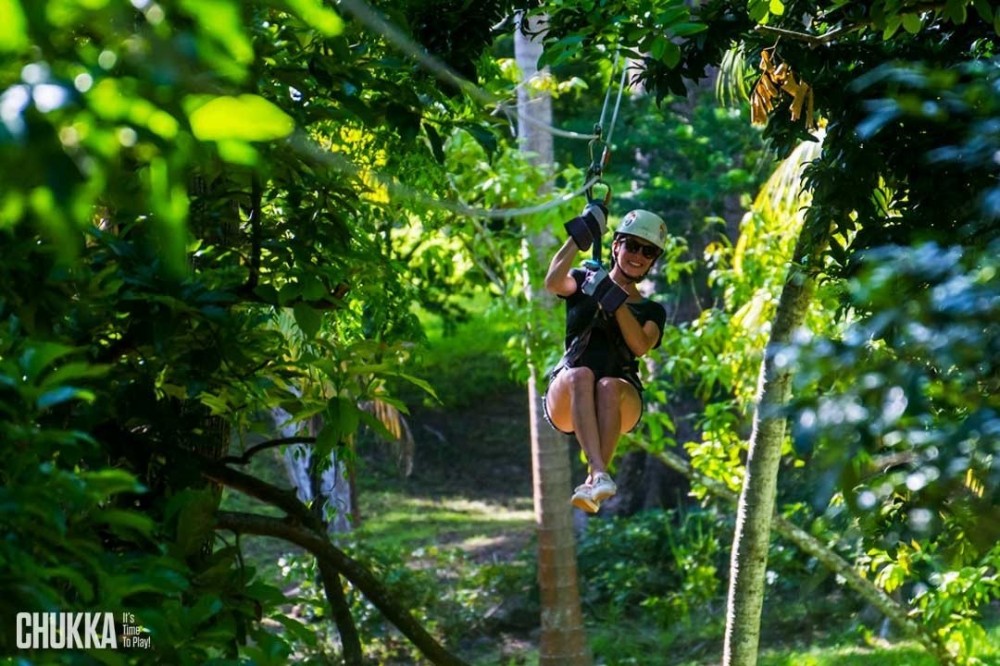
x=645 y=225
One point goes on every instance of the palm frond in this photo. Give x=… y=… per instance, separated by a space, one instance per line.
x=732 y=80
x=398 y=427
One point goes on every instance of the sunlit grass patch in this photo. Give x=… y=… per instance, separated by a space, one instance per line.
x=396 y=520
x=902 y=654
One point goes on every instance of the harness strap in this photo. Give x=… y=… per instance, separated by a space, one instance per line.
x=580 y=342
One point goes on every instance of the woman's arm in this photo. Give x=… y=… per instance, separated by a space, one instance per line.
x=640 y=338
x=558 y=280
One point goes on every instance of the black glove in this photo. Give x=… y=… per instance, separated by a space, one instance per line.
x=606 y=292
x=589 y=226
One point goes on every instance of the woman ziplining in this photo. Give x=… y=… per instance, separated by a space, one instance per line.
x=594 y=391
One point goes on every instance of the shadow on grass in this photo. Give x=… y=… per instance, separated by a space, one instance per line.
x=482 y=529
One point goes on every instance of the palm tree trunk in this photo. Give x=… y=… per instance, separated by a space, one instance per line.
x=563 y=641
x=748 y=563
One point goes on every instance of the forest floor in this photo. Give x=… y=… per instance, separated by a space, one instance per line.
x=470 y=490
x=478 y=457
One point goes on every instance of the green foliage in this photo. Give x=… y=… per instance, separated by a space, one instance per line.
x=902 y=655
x=664 y=563
x=448 y=593
x=194 y=233
x=906 y=433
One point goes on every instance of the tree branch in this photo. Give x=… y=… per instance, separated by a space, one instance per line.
x=349 y=640
x=263 y=446
x=354 y=571
x=811 y=40
x=254 y=487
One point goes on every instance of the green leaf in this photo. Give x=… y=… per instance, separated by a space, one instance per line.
x=437 y=147
x=240 y=118
x=107 y=482
x=956 y=11
x=776 y=7
x=671 y=55
x=80 y=583
x=170 y=205
x=238 y=152
x=658 y=47
x=912 y=23
x=483 y=136
x=758 y=9
x=326 y=441
x=416 y=381
x=688 y=29
x=342 y=416
x=313 y=288
x=296 y=630
x=74 y=371
x=223 y=21
x=316 y=15
x=63 y=394
x=122 y=522
x=13 y=27
x=267 y=293
x=289 y=291
x=891 y=26
x=673 y=15
x=377 y=426
x=308 y=319
x=984 y=10
x=40 y=356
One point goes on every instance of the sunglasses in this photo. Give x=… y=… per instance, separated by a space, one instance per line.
x=633 y=246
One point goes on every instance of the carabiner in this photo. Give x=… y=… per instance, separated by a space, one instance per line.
x=596 y=167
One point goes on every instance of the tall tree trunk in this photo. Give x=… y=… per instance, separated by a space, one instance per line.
x=748 y=563
x=563 y=641
x=894 y=611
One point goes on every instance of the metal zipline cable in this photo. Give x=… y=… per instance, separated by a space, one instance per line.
x=307 y=146
x=364 y=13
x=370 y=18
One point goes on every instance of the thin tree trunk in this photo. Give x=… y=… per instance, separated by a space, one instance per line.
x=319 y=545
x=563 y=641
x=748 y=562
x=807 y=543
x=300 y=527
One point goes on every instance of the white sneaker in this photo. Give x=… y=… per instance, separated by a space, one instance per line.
x=602 y=487
x=583 y=499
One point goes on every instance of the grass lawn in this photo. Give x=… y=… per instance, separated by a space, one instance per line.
x=397 y=520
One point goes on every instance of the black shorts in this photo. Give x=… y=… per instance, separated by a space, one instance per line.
x=634 y=381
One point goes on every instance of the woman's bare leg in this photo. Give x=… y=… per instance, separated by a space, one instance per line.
x=618 y=410
x=572 y=405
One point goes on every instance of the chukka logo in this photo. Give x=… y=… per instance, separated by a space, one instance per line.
x=66 y=631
